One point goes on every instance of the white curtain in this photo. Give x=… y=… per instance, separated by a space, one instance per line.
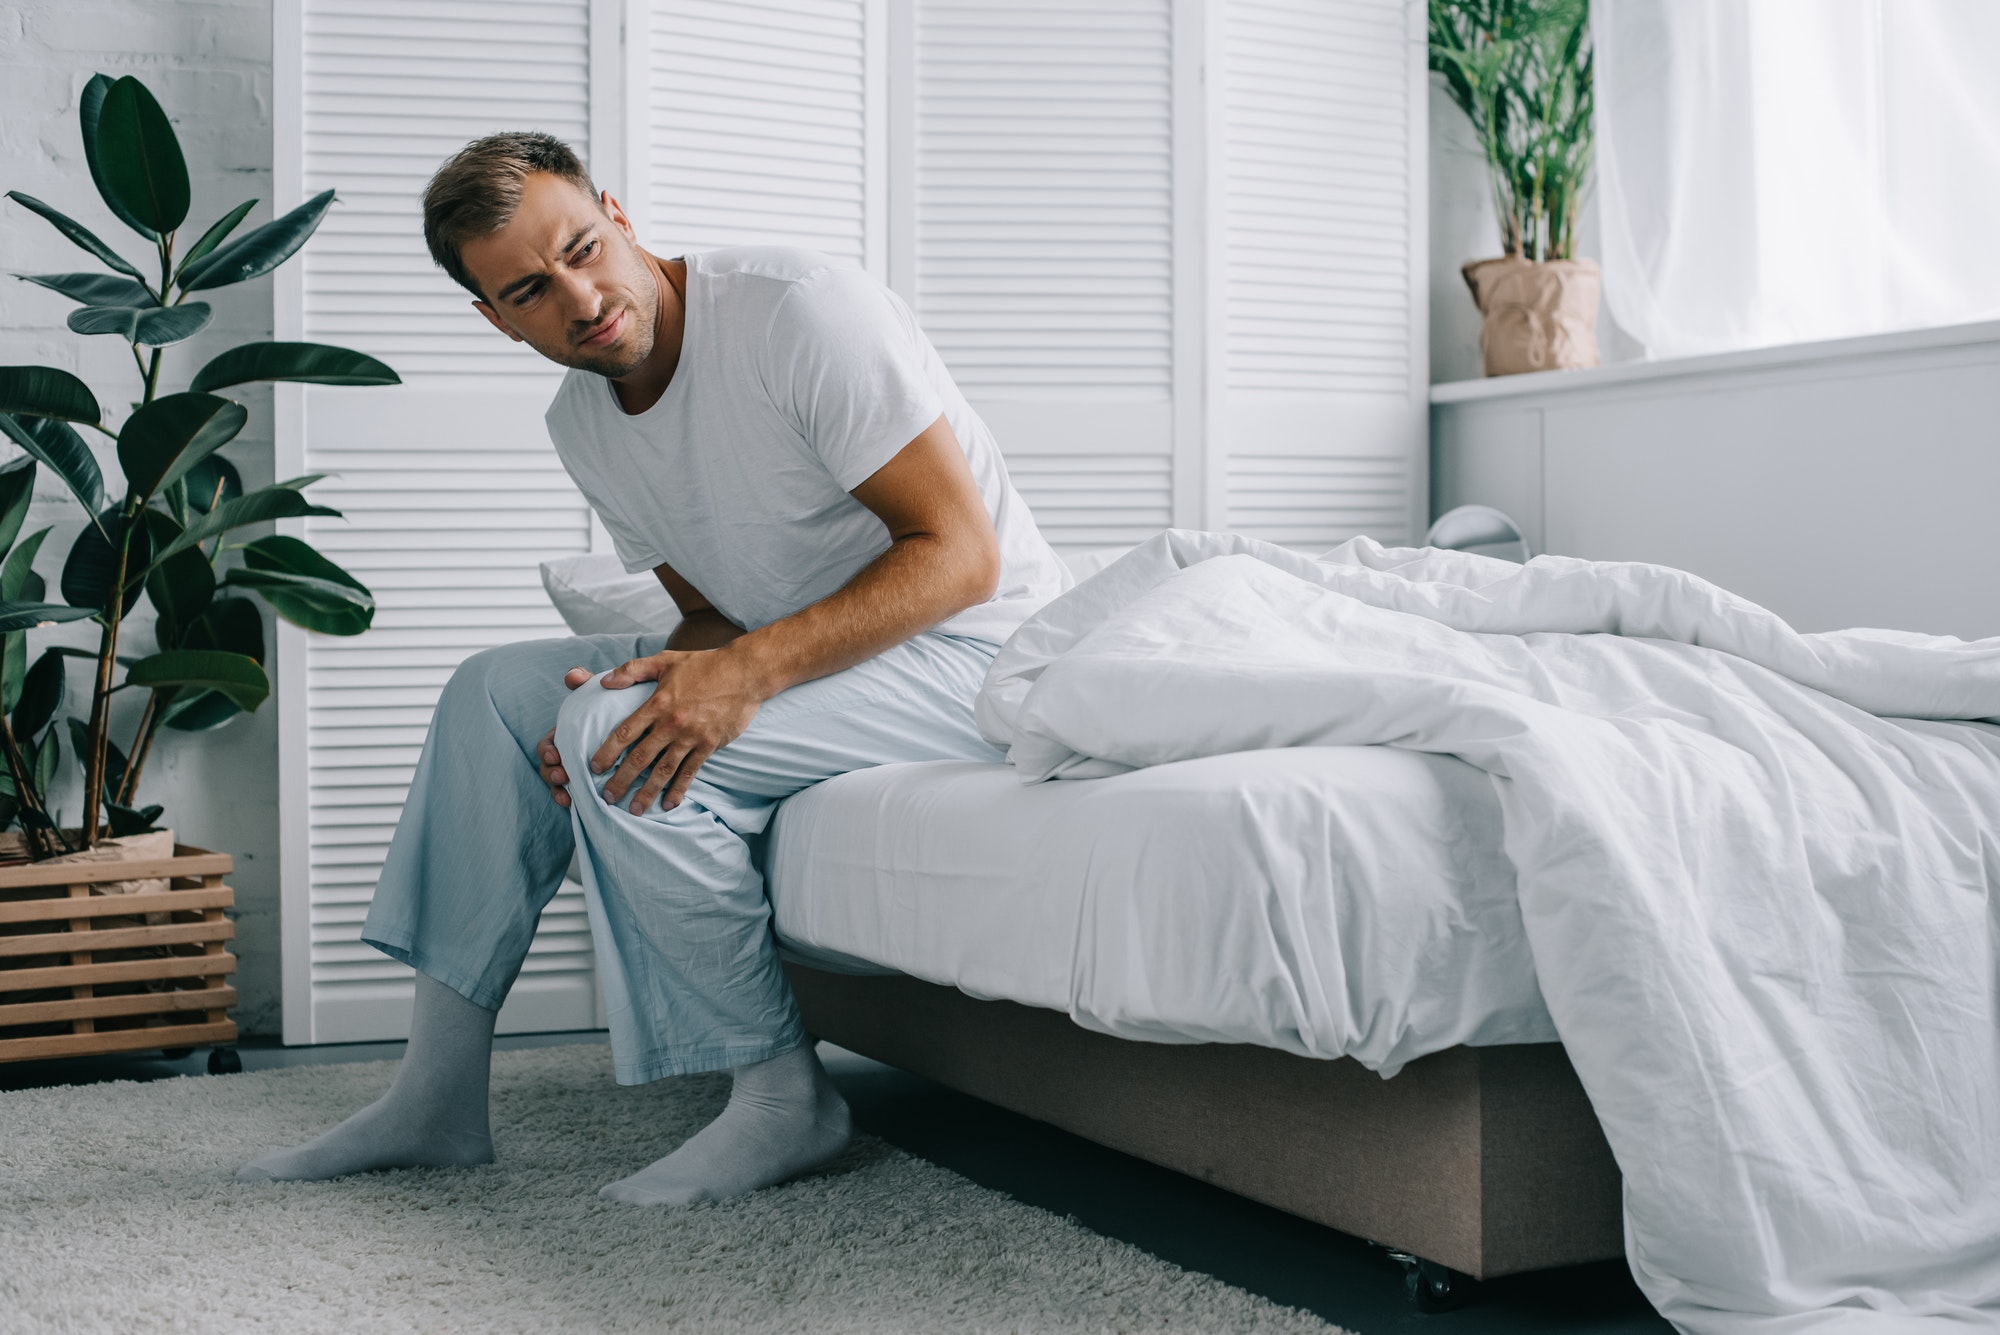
x=1777 y=171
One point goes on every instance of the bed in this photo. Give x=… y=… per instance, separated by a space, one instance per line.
x=1213 y=965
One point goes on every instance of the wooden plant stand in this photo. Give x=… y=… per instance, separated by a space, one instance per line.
x=85 y=973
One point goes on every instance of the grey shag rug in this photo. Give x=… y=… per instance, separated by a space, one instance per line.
x=118 y=1213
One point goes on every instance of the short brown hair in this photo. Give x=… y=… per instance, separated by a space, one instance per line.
x=478 y=189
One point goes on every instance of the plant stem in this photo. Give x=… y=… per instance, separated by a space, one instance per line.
x=153 y=376
x=100 y=701
x=142 y=742
x=38 y=842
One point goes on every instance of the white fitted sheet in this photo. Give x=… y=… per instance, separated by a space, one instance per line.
x=1327 y=901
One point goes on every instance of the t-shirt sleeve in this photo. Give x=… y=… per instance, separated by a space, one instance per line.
x=635 y=552
x=847 y=370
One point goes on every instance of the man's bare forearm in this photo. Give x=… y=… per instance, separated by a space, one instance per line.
x=922 y=579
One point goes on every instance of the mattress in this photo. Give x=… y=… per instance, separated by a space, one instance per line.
x=1325 y=901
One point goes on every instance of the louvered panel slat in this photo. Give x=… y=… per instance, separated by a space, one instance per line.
x=1317 y=502
x=1044 y=208
x=757 y=125
x=389 y=91
x=1316 y=188
x=1084 y=501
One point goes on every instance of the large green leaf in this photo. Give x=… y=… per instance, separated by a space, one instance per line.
x=198 y=711
x=138 y=165
x=213 y=236
x=348 y=608
x=234 y=625
x=18 y=580
x=126 y=820
x=114 y=759
x=18 y=583
x=48 y=755
x=13 y=671
x=282 y=501
x=78 y=233
x=322 y=605
x=237 y=676
x=17 y=489
x=314 y=363
x=23 y=615
x=258 y=252
x=91 y=572
x=170 y=435
x=46 y=391
x=94 y=289
x=90 y=110
x=181 y=587
x=211 y=482
x=154 y=326
x=57 y=445
x=41 y=695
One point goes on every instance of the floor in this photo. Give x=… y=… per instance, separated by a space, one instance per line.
x=1176 y=1218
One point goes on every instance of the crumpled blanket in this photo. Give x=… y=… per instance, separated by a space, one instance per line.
x=1758 y=872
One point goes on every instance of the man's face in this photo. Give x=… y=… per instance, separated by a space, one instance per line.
x=566 y=277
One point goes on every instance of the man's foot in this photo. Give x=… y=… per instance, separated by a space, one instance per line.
x=434 y=1115
x=382 y=1135
x=784 y=1118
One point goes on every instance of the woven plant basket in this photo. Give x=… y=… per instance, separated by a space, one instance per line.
x=124 y=949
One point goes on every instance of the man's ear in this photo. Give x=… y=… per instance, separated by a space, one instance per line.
x=493 y=318
x=617 y=215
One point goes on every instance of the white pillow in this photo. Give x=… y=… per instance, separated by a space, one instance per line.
x=597 y=597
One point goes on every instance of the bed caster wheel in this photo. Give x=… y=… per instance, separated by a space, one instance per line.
x=175 y=1054
x=1431 y=1287
x=224 y=1061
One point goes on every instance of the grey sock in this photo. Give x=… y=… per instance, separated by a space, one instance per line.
x=784 y=1118
x=434 y=1114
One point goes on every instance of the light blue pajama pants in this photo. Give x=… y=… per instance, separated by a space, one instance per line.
x=685 y=951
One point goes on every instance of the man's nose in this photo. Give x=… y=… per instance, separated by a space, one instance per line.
x=581 y=301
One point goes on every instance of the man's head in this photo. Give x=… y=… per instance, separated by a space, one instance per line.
x=515 y=220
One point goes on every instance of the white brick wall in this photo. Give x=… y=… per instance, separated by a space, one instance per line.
x=209 y=63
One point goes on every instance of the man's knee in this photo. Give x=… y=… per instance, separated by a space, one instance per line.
x=502 y=677
x=587 y=718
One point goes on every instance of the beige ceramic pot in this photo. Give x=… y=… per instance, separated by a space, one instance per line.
x=1535 y=316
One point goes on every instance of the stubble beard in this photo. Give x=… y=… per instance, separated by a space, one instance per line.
x=634 y=346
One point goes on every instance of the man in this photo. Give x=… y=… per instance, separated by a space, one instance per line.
x=773 y=437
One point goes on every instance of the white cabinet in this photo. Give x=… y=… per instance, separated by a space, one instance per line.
x=1850 y=483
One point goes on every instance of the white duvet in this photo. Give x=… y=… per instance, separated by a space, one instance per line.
x=1758 y=872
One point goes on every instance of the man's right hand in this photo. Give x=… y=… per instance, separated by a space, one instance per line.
x=552 y=771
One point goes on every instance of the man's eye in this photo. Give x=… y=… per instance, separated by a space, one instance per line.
x=527 y=295
x=586 y=250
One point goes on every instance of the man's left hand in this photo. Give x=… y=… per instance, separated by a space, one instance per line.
x=704 y=701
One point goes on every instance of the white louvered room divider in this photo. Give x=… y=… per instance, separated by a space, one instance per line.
x=450 y=490
x=1171 y=249
x=1042 y=260
x=760 y=126
x=1319 y=182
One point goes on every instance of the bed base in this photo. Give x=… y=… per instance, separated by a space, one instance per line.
x=1488 y=1161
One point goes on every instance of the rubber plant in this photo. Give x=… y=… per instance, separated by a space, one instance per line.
x=168 y=539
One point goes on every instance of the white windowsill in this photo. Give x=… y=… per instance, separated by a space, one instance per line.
x=1542 y=383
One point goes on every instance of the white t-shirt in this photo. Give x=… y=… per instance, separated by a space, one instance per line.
x=797 y=381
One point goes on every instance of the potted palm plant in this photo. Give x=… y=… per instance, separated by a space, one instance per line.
x=1520 y=70
x=82 y=970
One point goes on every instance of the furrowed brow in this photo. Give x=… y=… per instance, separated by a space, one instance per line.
x=526 y=279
